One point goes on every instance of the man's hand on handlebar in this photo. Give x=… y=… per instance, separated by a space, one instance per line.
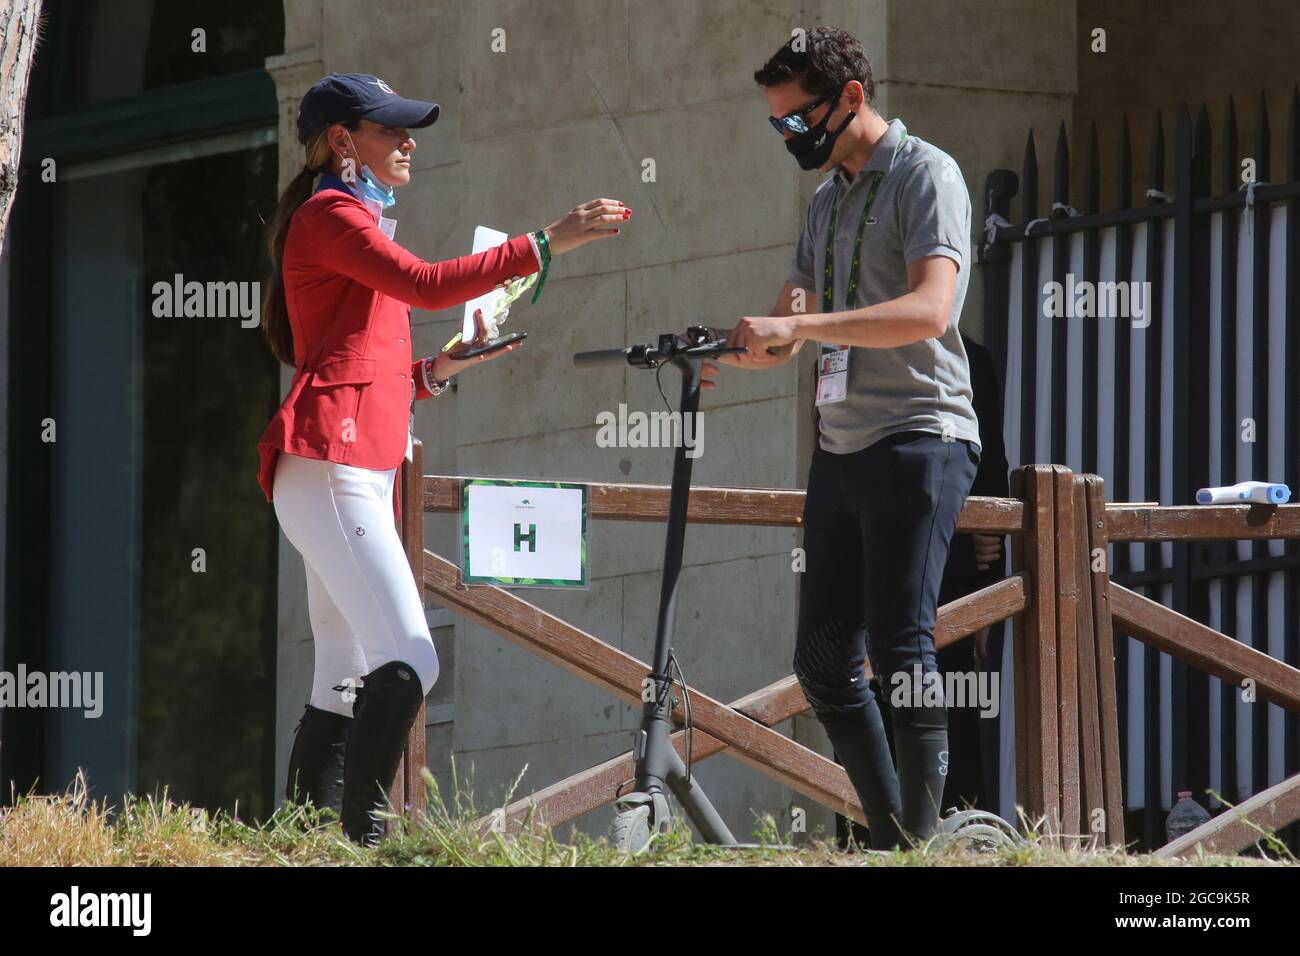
x=762 y=352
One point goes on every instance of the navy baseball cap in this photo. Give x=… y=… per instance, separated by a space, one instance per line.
x=340 y=97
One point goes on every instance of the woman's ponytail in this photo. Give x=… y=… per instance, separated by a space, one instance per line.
x=275 y=313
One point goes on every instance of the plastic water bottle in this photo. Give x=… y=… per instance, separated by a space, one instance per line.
x=1186 y=816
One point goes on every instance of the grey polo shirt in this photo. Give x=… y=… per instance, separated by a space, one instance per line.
x=922 y=208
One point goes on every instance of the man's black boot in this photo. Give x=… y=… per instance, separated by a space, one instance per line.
x=921 y=739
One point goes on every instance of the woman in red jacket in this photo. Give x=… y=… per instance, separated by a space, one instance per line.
x=338 y=308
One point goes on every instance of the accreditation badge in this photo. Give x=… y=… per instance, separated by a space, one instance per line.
x=832 y=374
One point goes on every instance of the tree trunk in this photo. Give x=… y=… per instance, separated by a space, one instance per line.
x=20 y=25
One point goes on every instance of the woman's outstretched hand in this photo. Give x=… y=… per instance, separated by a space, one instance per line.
x=444 y=367
x=594 y=219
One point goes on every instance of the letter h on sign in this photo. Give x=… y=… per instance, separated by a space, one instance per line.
x=530 y=537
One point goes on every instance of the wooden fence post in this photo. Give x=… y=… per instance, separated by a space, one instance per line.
x=1091 y=780
x=1068 y=587
x=1104 y=655
x=1037 y=767
x=1067 y=732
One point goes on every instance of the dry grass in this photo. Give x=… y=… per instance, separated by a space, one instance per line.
x=72 y=830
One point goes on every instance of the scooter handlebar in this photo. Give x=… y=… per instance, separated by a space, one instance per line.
x=602 y=357
x=699 y=342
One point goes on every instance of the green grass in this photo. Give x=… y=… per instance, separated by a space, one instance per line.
x=72 y=830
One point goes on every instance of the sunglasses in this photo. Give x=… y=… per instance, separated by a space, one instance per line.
x=797 y=122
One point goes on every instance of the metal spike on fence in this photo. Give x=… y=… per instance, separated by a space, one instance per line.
x=1029 y=201
x=1263 y=141
x=1060 y=327
x=1156 y=176
x=1091 y=273
x=1061 y=185
x=1125 y=166
x=1201 y=138
x=1230 y=167
x=1029 y=297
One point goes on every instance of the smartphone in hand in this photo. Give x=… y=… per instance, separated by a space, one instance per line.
x=462 y=352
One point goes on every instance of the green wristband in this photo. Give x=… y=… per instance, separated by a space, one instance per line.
x=544 y=245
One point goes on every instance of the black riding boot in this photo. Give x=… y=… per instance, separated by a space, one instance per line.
x=387 y=701
x=921 y=739
x=317 y=761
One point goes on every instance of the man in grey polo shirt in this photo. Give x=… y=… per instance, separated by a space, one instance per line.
x=879 y=275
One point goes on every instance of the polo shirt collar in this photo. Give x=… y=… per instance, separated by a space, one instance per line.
x=880 y=156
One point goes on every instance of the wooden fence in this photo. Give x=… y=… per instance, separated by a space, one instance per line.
x=1063 y=604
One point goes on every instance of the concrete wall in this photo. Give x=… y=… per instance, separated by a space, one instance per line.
x=584 y=92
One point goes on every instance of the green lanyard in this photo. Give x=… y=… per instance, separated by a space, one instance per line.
x=828 y=285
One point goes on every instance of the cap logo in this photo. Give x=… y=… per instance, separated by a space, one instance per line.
x=384 y=86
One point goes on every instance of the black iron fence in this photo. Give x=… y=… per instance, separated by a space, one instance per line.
x=1158 y=345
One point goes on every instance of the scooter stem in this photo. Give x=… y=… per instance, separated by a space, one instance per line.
x=678 y=501
x=654 y=743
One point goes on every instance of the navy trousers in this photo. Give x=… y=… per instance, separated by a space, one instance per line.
x=877 y=527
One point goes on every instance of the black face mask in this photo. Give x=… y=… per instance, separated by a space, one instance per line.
x=813 y=148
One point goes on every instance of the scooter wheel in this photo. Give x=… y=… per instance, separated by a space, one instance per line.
x=631 y=829
x=976 y=830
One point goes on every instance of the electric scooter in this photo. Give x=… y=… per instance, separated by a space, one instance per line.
x=645 y=811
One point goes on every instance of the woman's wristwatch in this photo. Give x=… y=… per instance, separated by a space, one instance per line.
x=432 y=384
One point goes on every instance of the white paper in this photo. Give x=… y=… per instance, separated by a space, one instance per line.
x=484 y=239
x=525 y=532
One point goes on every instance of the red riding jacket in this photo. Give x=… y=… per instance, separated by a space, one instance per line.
x=349 y=290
